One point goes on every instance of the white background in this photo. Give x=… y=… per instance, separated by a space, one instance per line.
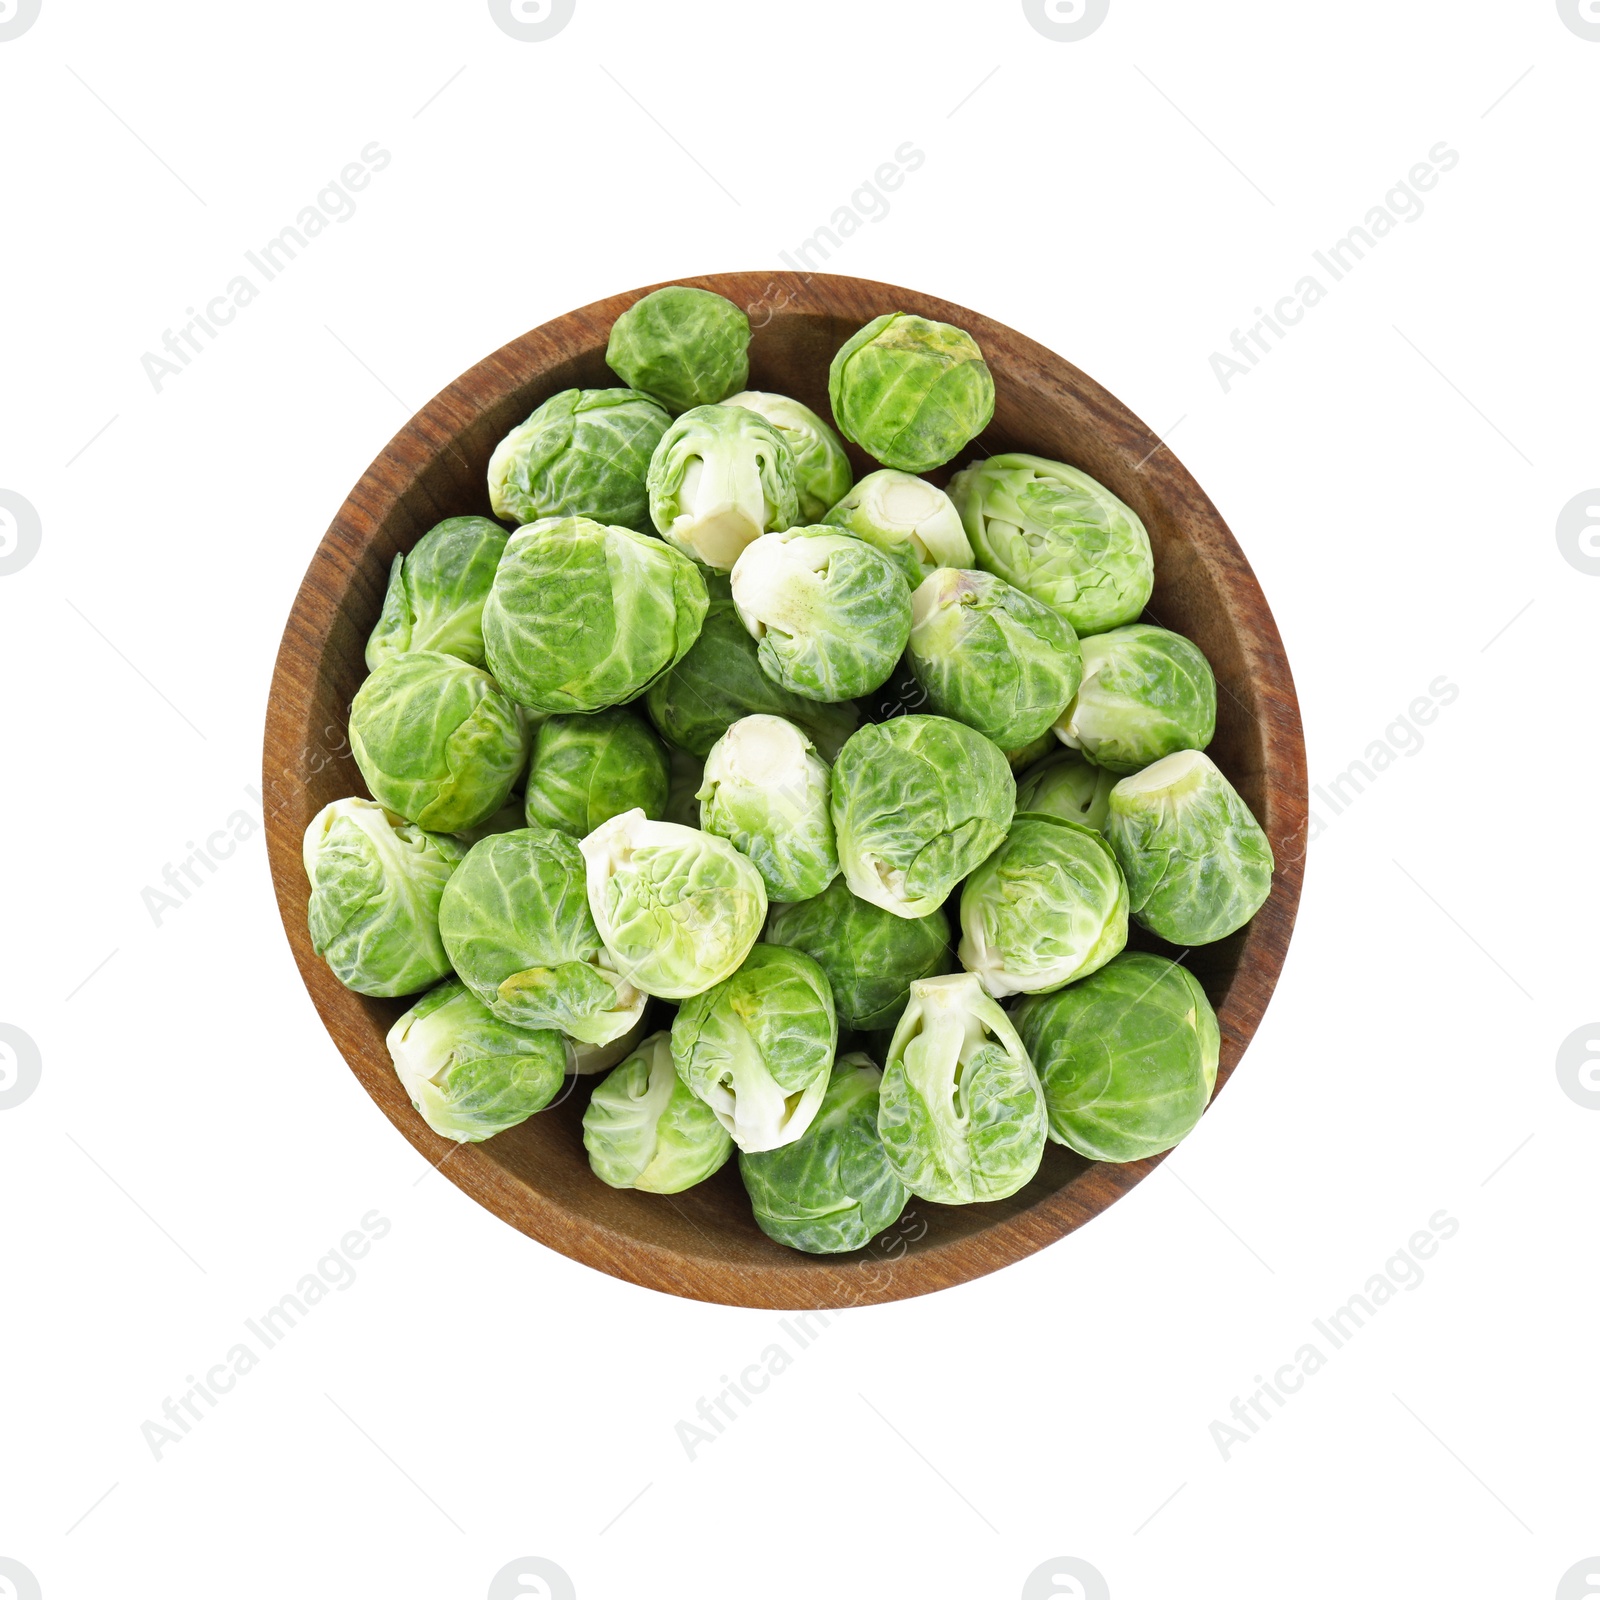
x=1394 y=471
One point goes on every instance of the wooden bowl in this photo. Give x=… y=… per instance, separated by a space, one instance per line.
x=704 y=1244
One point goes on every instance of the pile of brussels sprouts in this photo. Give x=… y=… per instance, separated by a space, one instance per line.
x=703 y=779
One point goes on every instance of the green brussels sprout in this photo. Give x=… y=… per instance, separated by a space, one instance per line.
x=960 y=1113
x=909 y=391
x=830 y=615
x=720 y=680
x=469 y=1074
x=833 y=1189
x=1146 y=693
x=678 y=909
x=1067 y=785
x=1056 y=534
x=583 y=453
x=517 y=927
x=1047 y=907
x=1197 y=863
x=910 y=520
x=720 y=477
x=644 y=1130
x=683 y=792
x=437 y=741
x=765 y=791
x=871 y=956
x=505 y=820
x=1032 y=753
x=582 y=617
x=757 y=1047
x=586 y=769
x=991 y=656
x=586 y=1060
x=917 y=803
x=436 y=593
x=686 y=347
x=375 y=886
x=1127 y=1058
x=821 y=468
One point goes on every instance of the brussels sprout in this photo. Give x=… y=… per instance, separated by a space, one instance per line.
x=1197 y=863
x=508 y=818
x=960 y=1113
x=1058 y=535
x=437 y=741
x=1127 y=1058
x=375 y=886
x=909 y=391
x=757 y=1047
x=821 y=468
x=436 y=593
x=469 y=1074
x=683 y=790
x=583 y=453
x=1146 y=693
x=832 y=1189
x=912 y=521
x=830 y=614
x=587 y=1060
x=917 y=803
x=991 y=656
x=644 y=1130
x=765 y=791
x=1066 y=785
x=871 y=956
x=1047 y=907
x=516 y=923
x=1032 y=753
x=720 y=680
x=720 y=477
x=687 y=347
x=678 y=909
x=582 y=616
x=587 y=769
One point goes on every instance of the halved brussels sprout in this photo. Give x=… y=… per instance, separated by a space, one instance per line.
x=436 y=593
x=757 y=1047
x=830 y=614
x=960 y=1113
x=437 y=741
x=582 y=617
x=517 y=927
x=687 y=347
x=765 y=791
x=1047 y=907
x=469 y=1074
x=871 y=956
x=833 y=1189
x=678 y=909
x=1056 y=534
x=909 y=391
x=583 y=453
x=720 y=477
x=917 y=803
x=1065 y=784
x=910 y=520
x=1127 y=1058
x=991 y=656
x=644 y=1130
x=1197 y=863
x=587 y=769
x=821 y=468
x=375 y=886
x=1146 y=693
x=720 y=680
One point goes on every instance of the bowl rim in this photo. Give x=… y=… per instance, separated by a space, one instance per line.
x=880 y=1273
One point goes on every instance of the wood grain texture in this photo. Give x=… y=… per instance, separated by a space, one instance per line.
x=704 y=1244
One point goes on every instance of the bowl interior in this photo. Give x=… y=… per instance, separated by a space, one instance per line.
x=704 y=1243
